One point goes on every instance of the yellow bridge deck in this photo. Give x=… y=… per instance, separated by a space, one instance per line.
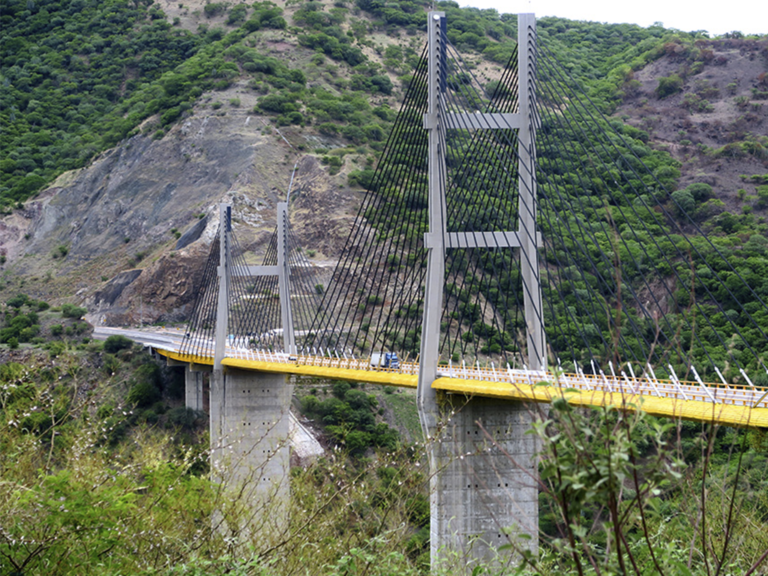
x=727 y=405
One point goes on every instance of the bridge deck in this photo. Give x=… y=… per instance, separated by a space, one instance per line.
x=732 y=405
x=745 y=406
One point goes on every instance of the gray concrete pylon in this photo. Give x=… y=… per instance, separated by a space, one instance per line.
x=527 y=199
x=483 y=487
x=193 y=388
x=426 y=397
x=283 y=278
x=249 y=422
x=435 y=279
x=222 y=305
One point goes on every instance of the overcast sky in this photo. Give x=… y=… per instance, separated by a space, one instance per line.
x=747 y=16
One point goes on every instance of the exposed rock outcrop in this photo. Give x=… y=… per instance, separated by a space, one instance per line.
x=119 y=220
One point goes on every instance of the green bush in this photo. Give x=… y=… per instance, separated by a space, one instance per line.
x=143 y=394
x=214 y=9
x=149 y=372
x=17 y=301
x=182 y=417
x=117 y=342
x=340 y=388
x=684 y=202
x=700 y=191
x=56 y=348
x=669 y=85
x=72 y=311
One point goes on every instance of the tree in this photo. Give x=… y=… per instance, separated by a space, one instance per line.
x=683 y=202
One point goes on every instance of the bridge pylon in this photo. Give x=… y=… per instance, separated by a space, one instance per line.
x=250 y=411
x=483 y=489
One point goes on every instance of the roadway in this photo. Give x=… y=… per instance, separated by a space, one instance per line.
x=740 y=405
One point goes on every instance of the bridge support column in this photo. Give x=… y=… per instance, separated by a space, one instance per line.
x=250 y=455
x=485 y=491
x=193 y=388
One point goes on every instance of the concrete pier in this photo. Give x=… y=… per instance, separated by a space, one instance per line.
x=484 y=492
x=193 y=386
x=250 y=454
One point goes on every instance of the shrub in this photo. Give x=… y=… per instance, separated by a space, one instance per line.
x=340 y=389
x=684 y=202
x=60 y=251
x=143 y=394
x=18 y=301
x=117 y=342
x=182 y=417
x=669 y=85
x=56 y=348
x=149 y=372
x=13 y=343
x=309 y=404
x=72 y=311
x=357 y=442
x=362 y=178
x=700 y=191
x=214 y=9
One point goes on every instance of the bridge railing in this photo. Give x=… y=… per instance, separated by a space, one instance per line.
x=732 y=394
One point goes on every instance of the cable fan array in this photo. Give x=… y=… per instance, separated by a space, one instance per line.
x=627 y=276
x=254 y=316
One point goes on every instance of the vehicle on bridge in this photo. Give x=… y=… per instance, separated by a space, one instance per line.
x=385 y=360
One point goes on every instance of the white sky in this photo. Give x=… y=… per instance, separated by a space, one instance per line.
x=747 y=16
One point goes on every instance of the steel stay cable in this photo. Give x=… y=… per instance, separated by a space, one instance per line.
x=640 y=306
x=204 y=338
x=262 y=321
x=413 y=169
x=700 y=234
x=585 y=252
x=550 y=304
x=202 y=295
x=652 y=238
x=596 y=269
x=692 y=245
x=480 y=141
x=300 y=275
x=534 y=266
x=265 y=321
x=406 y=174
x=342 y=272
x=582 y=244
x=528 y=289
x=402 y=122
x=302 y=278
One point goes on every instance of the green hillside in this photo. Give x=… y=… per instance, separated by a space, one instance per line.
x=78 y=77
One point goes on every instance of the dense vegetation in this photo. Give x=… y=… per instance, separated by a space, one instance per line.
x=65 y=66
x=103 y=471
x=348 y=417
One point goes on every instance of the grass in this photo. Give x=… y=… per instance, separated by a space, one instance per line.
x=403 y=405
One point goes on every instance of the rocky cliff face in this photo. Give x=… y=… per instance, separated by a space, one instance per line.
x=108 y=235
x=715 y=123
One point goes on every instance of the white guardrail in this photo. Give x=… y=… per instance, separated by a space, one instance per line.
x=644 y=385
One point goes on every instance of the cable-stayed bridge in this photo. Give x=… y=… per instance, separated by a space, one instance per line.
x=515 y=245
